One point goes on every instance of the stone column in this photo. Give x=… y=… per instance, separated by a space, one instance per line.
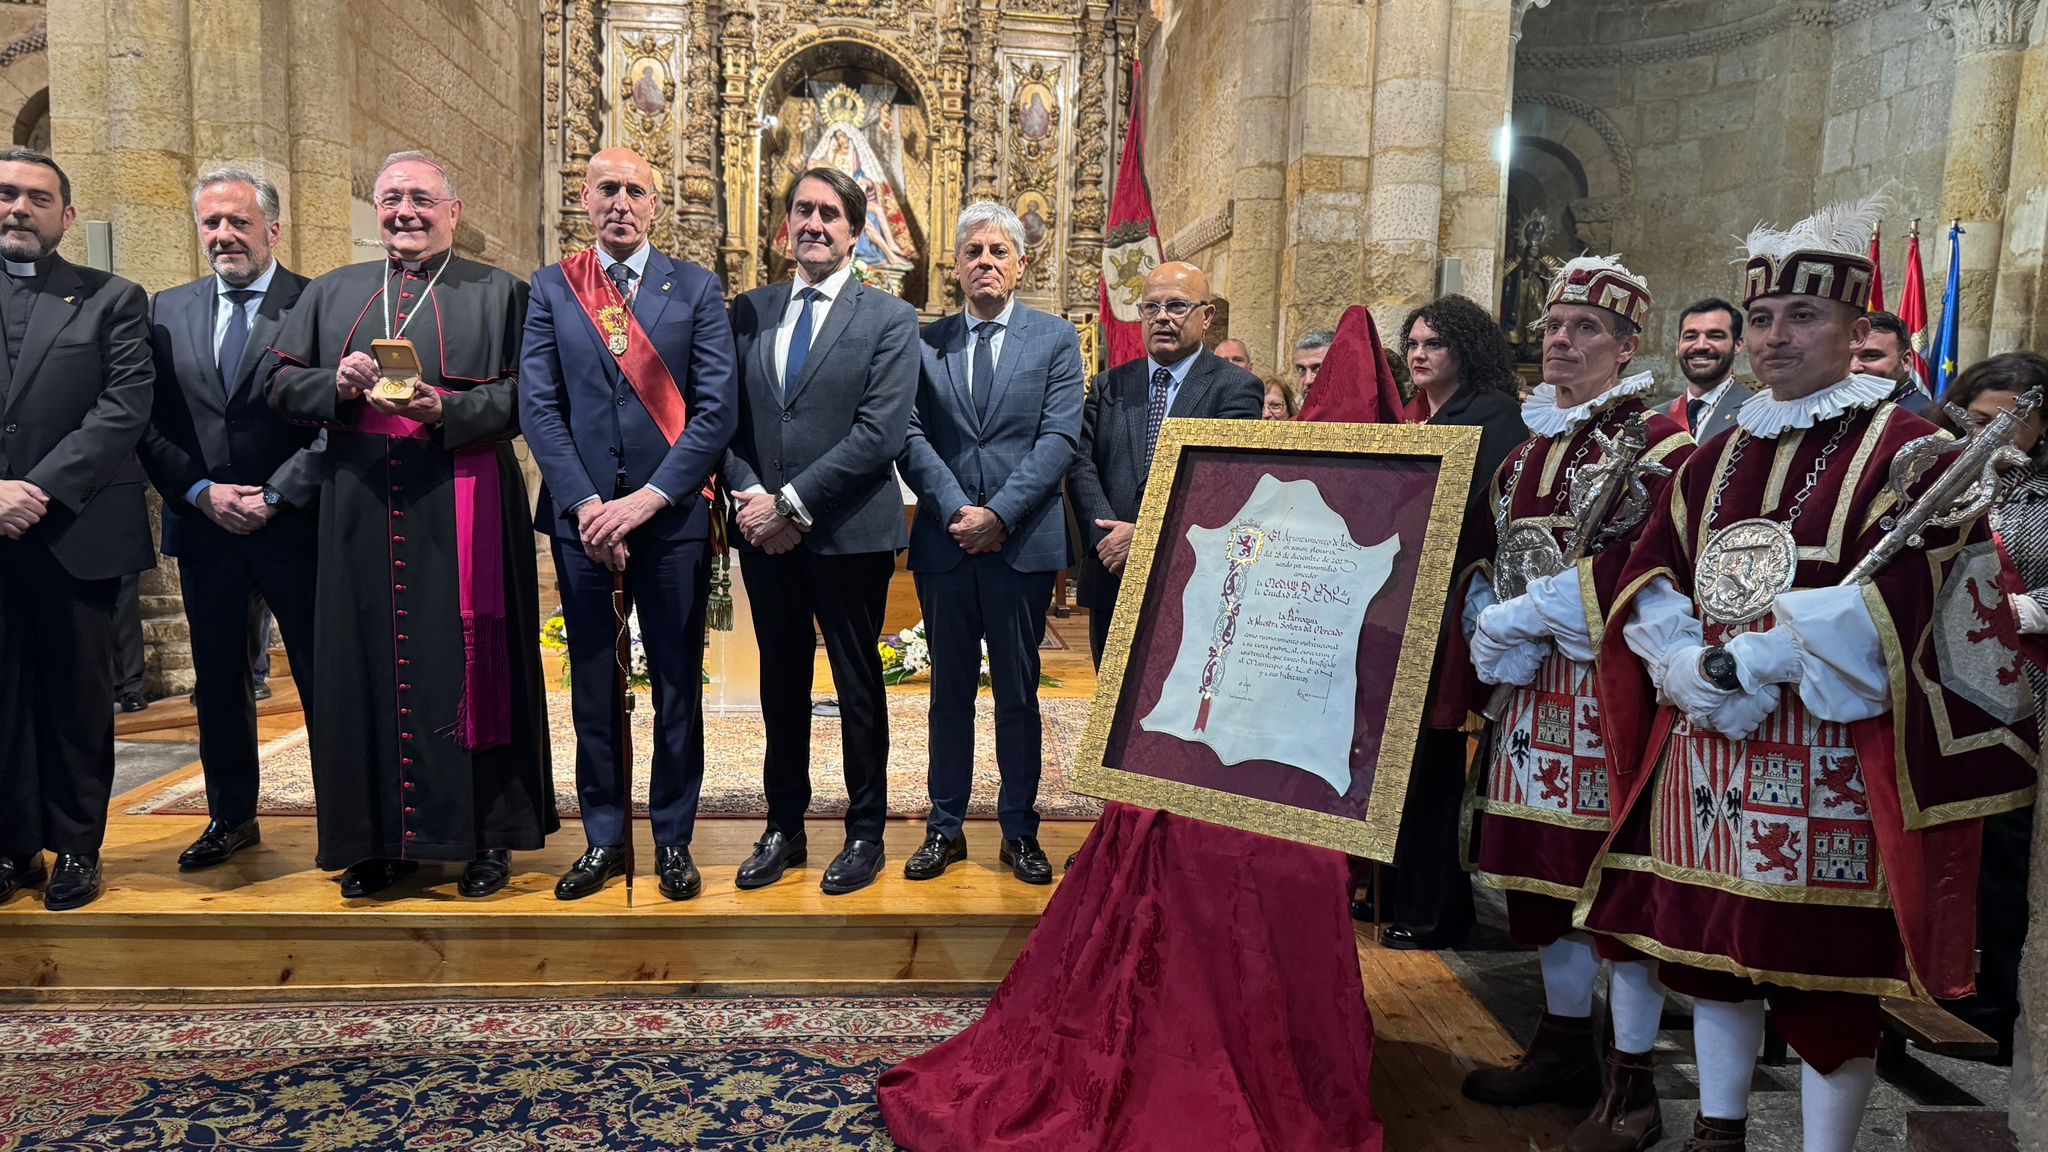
x=1988 y=35
x=318 y=68
x=1252 y=255
x=1478 y=105
x=1405 y=197
x=2019 y=309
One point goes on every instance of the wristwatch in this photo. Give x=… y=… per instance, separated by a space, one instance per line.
x=1719 y=669
x=784 y=508
x=272 y=497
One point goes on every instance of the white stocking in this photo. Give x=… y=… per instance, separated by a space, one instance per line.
x=1728 y=1038
x=1831 y=1106
x=1636 y=1001
x=1569 y=969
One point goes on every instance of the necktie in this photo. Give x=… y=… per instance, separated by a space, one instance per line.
x=1694 y=409
x=982 y=380
x=1155 y=412
x=799 y=344
x=621 y=276
x=236 y=340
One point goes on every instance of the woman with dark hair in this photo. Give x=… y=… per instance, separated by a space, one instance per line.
x=1459 y=362
x=2020 y=523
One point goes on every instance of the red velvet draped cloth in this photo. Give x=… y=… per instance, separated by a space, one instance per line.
x=1190 y=986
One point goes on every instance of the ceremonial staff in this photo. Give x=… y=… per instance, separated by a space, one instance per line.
x=622 y=659
x=1961 y=494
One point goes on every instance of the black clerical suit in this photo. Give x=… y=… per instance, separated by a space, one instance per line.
x=212 y=425
x=74 y=400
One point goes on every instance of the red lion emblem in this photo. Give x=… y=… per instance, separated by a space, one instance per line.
x=1837 y=776
x=1550 y=774
x=1998 y=627
x=1779 y=850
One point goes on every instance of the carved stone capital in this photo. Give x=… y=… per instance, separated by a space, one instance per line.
x=1982 y=25
x=1517 y=10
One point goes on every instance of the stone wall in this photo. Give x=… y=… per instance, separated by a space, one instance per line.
x=464 y=83
x=1312 y=163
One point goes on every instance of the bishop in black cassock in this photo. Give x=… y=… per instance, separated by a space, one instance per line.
x=429 y=735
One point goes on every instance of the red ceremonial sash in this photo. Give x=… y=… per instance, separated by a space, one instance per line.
x=643 y=368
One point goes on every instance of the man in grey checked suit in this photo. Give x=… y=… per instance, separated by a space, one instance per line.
x=828 y=373
x=1120 y=426
x=998 y=416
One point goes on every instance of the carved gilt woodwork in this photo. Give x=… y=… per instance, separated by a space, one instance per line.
x=1002 y=99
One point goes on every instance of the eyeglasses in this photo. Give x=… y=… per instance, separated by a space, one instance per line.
x=1177 y=309
x=421 y=202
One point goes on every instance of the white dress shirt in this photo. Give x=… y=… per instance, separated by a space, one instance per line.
x=1179 y=376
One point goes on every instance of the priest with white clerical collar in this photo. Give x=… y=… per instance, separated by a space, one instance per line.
x=429 y=737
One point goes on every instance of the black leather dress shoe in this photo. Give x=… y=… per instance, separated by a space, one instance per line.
x=1409 y=940
x=1026 y=860
x=74 y=882
x=219 y=842
x=261 y=690
x=854 y=868
x=131 y=702
x=773 y=853
x=599 y=863
x=369 y=877
x=485 y=874
x=934 y=856
x=18 y=872
x=677 y=873
x=1361 y=908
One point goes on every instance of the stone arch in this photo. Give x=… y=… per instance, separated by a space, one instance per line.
x=781 y=67
x=1553 y=130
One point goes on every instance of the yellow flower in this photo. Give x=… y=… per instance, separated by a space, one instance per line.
x=343 y=1130
x=746 y=1086
x=312 y=1095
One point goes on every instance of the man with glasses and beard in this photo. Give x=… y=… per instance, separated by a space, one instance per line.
x=241 y=487
x=1708 y=332
x=429 y=734
x=74 y=401
x=1120 y=427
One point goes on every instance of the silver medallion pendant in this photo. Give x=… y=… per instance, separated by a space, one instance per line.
x=1744 y=568
x=1527 y=551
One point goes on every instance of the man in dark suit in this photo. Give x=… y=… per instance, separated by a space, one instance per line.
x=1120 y=427
x=627 y=399
x=240 y=485
x=997 y=420
x=74 y=400
x=829 y=371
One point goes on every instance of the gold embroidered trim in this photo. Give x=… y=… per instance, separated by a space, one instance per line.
x=1781 y=467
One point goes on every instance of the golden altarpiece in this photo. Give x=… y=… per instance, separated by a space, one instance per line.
x=930 y=104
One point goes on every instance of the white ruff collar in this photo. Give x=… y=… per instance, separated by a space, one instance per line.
x=1766 y=417
x=1544 y=418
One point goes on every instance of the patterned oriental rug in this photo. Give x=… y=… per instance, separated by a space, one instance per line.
x=734 y=744
x=794 y=1075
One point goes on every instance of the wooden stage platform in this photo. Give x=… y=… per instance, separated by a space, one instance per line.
x=267 y=923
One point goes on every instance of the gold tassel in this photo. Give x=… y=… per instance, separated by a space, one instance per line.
x=718 y=610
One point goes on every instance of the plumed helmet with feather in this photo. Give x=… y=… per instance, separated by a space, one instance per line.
x=1825 y=255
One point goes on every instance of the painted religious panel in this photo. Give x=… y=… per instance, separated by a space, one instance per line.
x=867 y=126
x=1271 y=649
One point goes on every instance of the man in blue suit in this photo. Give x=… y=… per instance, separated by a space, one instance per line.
x=997 y=420
x=627 y=398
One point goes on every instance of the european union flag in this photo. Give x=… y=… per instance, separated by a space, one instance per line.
x=1946 y=344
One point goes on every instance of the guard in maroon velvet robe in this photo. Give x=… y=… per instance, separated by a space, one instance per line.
x=429 y=736
x=1804 y=826
x=1538 y=814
